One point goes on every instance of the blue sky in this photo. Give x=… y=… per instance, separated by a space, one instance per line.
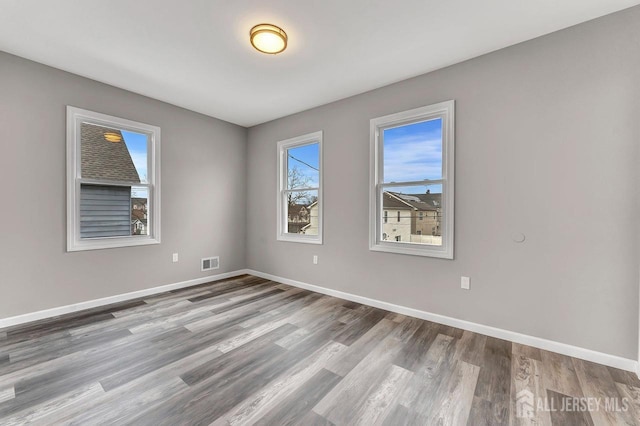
x=137 y=146
x=306 y=159
x=413 y=153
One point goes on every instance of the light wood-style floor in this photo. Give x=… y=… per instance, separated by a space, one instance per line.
x=251 y=351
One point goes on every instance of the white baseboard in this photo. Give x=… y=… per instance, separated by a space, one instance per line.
x=62 y=310
x=549 y=345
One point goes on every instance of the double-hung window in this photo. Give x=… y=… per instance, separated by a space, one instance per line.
x=300 y=189
x=113 y=181
x=412 y=173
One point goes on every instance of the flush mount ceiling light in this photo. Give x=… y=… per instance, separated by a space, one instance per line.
x=267 y=38
x=112 y=137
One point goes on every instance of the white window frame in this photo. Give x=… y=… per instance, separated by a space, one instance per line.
x=283 y=146
x=445 y=111
x=77 y=116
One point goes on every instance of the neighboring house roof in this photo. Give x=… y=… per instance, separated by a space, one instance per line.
x=413 y=201
x=298 y=210
x=297 y=207
x=138 y=215
x=434 y=200
x=392 y=201
x=102 y=159
x=298 y=217
x=309 y=207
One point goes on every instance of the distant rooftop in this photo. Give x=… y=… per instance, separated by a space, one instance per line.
x=421 y=202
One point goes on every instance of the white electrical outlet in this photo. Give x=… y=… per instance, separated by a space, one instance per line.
x=315 y=259
x=465 y=283
x=175 y=257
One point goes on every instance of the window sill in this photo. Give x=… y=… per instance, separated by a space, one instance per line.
x=400 y=248
x=110 y=243
x=300 y=239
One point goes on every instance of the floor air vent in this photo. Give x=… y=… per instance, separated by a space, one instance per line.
x=210 y=263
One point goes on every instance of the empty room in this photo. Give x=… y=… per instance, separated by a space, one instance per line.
x=355 y=212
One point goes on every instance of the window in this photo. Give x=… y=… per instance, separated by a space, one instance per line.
x=386 y=216
x=412 y=169
x=113 y=181
x=398 y=215
x=300 y=189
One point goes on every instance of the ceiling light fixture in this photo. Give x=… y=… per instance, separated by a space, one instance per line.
x=112 y=137
x=267 y=38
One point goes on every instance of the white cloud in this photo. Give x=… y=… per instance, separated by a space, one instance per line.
x=413 y=157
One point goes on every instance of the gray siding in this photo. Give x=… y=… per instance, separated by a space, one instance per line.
x=105 y=211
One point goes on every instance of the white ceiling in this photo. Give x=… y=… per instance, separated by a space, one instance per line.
x=196 y=53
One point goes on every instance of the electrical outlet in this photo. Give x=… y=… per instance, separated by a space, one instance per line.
x=465 y=283
x=315 y=259
x=175 y=257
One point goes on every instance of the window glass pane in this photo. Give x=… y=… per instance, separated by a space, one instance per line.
x=303 y=166
x=137 y=146
x=302 y=212
x=412 y=214
x=112 y=154
x=413 y=152
x=139 y=210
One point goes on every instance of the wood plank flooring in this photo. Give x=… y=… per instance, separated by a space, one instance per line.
x=251 y=351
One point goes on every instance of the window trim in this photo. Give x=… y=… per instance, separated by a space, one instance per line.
x=445 y=111
x=281 y=216
x=76 y=116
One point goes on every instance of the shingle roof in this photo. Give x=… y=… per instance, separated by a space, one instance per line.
x=106 y=160
x=391 y=200
x=298 y=213
x=434 y=199
x=421 y=202
x=138 y=214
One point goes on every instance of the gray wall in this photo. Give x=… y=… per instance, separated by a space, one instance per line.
x=546 y=144
x=203 y=193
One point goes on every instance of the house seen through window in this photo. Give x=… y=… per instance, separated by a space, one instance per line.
x=108 y=155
